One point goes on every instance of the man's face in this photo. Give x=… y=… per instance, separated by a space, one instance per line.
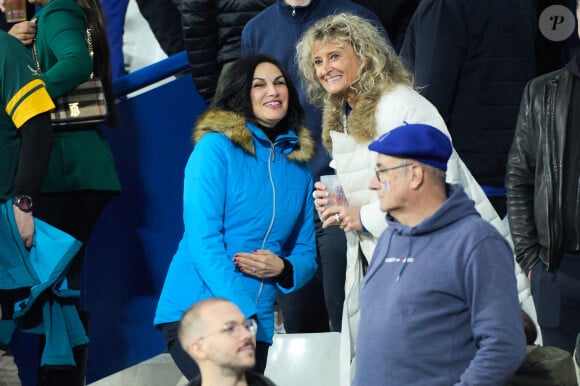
x=227 y=342
x=389 y=182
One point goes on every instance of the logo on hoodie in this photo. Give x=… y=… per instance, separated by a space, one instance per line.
x=391 y=260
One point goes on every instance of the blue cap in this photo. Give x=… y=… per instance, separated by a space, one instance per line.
x=417 y=141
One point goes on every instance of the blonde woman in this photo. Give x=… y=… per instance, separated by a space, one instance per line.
x=365 y=91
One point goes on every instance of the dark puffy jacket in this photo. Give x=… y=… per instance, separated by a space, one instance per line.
x=212 y=32
x=473 y=59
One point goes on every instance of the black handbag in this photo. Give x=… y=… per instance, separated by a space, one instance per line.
x=86 y=104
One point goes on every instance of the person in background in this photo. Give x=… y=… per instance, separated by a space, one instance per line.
x=543 y=195
x=215 y=333
x=25 y=145
x=366 y=91
x=321 y=300
x=394 y=16
x=544 y=365
x=212 y=33
x=81 y=178
x=247 y=205
x=163 y=18
x=427 y=300
x=472 y=60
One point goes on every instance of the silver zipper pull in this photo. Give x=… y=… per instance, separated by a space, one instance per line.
x=293 y=11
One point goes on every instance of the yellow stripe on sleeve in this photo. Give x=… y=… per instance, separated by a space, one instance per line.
x=29 y=101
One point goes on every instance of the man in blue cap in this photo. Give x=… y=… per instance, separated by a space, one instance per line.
x=439 y=303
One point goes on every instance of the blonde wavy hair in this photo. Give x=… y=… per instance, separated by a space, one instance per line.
x=381 y=68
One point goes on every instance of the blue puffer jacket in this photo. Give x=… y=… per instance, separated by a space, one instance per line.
x=241 y=193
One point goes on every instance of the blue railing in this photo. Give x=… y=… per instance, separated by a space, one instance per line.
x=151 y=74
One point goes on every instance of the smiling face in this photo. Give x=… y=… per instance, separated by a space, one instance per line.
x=337 y=67
x=269 y=95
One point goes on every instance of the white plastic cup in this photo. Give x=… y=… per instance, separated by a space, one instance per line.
x=337 y=196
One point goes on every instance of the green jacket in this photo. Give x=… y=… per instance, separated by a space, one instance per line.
x=545 y=366
x=22 y=97
x=81 y=159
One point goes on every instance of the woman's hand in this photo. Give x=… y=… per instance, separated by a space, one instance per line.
x=261 y=263
x=25 y=31
x=320 y=196
x=347 y=217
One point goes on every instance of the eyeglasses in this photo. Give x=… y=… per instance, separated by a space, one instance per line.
x=234 y=329
x=386 y=170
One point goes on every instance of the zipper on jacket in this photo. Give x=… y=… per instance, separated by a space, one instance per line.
x=293 y=11
x=554 y=244
x=271 y=158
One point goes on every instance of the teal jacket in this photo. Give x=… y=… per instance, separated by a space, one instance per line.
x=40 y=272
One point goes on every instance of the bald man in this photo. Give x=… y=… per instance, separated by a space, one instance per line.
x=222 y=342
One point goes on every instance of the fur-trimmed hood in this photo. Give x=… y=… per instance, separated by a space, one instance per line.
x=233 y=126
x=361 y=121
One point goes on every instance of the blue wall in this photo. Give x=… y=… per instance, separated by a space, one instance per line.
x=135 y=238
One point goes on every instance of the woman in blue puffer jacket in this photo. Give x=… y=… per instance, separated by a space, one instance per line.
x=248 y=209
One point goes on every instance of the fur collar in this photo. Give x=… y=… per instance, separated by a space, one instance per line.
x=361 y=120
x=233 y=126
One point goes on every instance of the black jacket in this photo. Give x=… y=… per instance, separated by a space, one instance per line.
x=472 y=59
x=535 y=170
x=394 y=16
x=163 y=18
x=212 y=32
x=254 y=379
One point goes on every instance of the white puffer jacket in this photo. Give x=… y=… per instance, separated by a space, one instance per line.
x=347 y=140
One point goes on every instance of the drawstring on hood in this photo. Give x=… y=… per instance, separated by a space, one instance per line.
x=448 y=213
x=404 y=265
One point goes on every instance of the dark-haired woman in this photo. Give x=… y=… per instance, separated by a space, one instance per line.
x=81 y=176
x=248 y=208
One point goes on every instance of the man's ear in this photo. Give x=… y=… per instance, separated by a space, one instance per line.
x=197 y=350
x=417 y=176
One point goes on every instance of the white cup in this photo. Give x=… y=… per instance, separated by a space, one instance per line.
x=336 y=194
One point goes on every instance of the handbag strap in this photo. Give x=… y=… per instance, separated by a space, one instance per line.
x=89 y=45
